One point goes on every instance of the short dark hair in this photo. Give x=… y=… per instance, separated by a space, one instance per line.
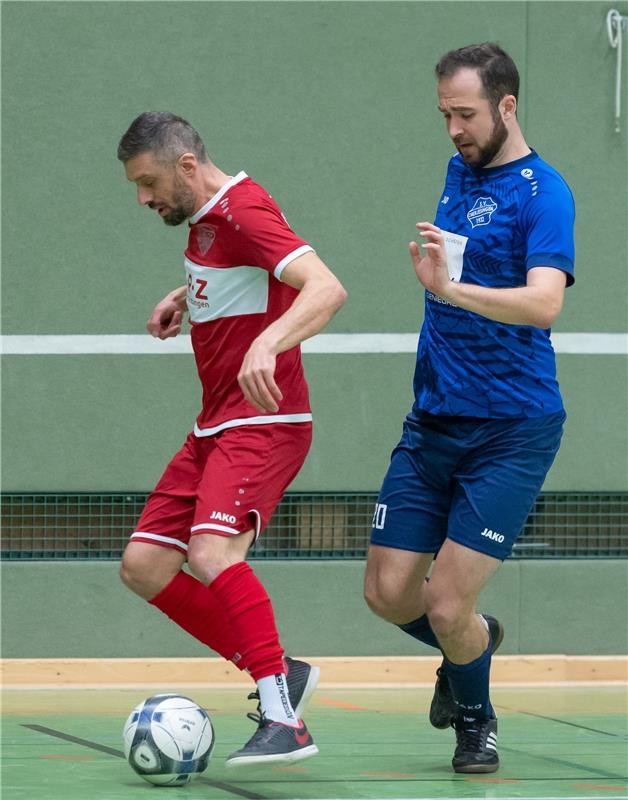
x=495 y=67
x=161 y=133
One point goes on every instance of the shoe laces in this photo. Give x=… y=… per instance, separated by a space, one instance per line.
x=469 y=735
x=257 y=716
x=442 y=681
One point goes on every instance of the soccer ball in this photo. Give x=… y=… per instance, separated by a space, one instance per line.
x=168 y=739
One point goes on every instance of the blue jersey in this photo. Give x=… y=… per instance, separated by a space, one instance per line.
x=499 y=222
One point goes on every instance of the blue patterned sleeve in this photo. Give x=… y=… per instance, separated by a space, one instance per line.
x=548 y=220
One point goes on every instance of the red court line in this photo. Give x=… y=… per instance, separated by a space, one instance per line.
x=608 y=788
x=290 y=769
x=71 y=758
x=327 y=701
x=377 y=773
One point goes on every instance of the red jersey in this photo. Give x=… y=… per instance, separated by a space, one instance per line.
x=238 y=246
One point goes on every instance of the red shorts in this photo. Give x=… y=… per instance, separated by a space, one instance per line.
x=224 y=484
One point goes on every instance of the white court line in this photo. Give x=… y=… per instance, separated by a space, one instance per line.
x=324 y=343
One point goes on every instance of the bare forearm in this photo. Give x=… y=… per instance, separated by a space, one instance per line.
x=320 y=295
x=315 y=305
x=523 y=305
x=179 y=296
x=538 y=303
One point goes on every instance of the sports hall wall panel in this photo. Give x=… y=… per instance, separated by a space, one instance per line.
x=110 y=423
x=81 y=610
x=332 y=107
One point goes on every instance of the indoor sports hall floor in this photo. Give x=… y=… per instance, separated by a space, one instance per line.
x=553 y=743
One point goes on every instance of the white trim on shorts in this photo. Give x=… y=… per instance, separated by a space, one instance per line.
x=212 y=526
x=258 y=525
x=241 y=421
x=157 y=537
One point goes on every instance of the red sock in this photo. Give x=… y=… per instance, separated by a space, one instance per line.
x=196 y=609
x=248 y=609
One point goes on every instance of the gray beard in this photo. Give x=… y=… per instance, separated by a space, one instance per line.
x=176 y=216
x=183 y=205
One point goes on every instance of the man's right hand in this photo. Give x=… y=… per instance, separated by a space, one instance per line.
x=167 y=317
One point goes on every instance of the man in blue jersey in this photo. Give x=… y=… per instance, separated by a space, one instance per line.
x=487 y=418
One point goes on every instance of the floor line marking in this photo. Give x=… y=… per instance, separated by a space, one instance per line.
x=226 y=787
x=327 y=701
x=453 y=778
x=75 y=740
x=579 y=767
x=563 y=722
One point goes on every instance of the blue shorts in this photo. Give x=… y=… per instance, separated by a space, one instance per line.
x=467 y=479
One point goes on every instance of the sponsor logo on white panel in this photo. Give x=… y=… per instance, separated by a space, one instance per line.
x=214 y=293
x=454 y=247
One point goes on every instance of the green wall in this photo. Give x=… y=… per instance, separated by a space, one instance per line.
x=109 y=423
x=331 y=105
x=81 y=610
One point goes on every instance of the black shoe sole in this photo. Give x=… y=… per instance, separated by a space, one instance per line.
x=471 y=767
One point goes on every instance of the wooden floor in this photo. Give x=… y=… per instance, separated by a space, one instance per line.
x=351 y=672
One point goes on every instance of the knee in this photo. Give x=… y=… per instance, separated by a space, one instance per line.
x=445 y=614
x=372 y=599
x=133 y=572
x=442 y=621
x=203 y=566
x=380 y=596
x=207 y=561
x=146 y=574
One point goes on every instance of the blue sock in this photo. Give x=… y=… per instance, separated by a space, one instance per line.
x=420 y=629
x=469 y=687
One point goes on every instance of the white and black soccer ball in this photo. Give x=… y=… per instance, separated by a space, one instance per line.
x=168 y=739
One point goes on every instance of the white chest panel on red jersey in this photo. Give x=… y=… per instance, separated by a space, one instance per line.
x=215 y=292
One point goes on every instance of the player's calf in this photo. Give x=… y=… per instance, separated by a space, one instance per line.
x=443 y=707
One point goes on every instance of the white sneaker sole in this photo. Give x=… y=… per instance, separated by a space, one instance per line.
x=278 y=758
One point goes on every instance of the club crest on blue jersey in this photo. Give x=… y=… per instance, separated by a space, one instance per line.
x=482 y=211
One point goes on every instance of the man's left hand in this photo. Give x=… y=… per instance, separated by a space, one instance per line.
x=431 y=268
x=257 y=378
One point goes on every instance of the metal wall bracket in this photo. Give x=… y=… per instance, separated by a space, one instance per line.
x=616 y=24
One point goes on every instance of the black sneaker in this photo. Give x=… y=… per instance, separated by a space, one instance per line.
x=443 y=708
x=274 y=743
x=476 y=746
x=301 y=680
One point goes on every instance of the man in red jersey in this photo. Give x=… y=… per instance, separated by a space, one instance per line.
x=254 y=291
